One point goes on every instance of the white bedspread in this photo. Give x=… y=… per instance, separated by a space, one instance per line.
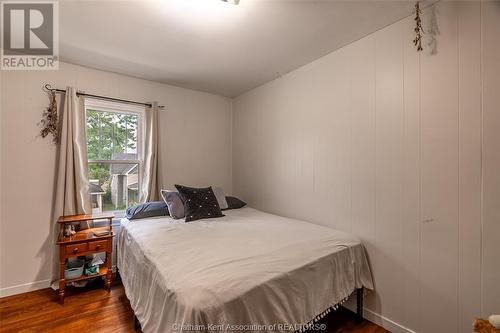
x=247 y=271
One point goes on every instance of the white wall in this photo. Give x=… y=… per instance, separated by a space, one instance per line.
x=194 y=127
x=402 y=149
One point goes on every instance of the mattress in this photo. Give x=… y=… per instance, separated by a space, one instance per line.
x=246 y=271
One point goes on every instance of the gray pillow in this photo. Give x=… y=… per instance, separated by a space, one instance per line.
x=147 y=209
x=174 y=203
x=221 y=198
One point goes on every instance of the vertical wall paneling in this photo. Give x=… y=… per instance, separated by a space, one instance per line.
x=389 y=158
x=469 y=163
x=362 y=139
x=399 y=148
x=339 y=146
x=491 y=157
x=440 y=172
x=411 y=179
x=363 y=147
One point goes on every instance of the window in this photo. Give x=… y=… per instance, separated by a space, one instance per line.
x=113 y=132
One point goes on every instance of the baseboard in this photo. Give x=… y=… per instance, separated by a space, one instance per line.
x=378 y=319
x=386 y=323
x=24 y=288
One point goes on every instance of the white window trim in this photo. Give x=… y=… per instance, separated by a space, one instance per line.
x=111 y=106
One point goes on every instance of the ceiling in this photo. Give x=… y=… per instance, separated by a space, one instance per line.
x=211 y=45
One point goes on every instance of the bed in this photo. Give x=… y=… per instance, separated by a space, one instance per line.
x=246 y=271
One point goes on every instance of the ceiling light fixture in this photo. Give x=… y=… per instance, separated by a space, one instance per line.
x=205 y=14
x=234 y=2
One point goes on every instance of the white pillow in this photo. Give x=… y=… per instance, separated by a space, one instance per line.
x=221 y=198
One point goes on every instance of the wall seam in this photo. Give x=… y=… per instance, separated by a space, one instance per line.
x=231 y=150
x=350 y=141
x=419 y=107
x=481 y=74
x=375 y=219
x=403 y=159
x=459 y=266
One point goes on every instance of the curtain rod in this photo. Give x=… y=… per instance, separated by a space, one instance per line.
x=48 y=87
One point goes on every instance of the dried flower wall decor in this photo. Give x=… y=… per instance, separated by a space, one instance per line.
x=49 y=121
x=418 y=28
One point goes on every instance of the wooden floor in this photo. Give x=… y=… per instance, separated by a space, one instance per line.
x=94 y=310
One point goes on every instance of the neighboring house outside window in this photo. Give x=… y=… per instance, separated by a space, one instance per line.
x=113 y=132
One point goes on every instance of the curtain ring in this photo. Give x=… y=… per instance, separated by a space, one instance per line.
x=48 y=88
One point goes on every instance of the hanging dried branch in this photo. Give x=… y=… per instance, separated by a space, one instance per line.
x=49 y=119
x=418 y=28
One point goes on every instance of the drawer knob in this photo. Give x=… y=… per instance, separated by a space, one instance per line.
x=75 y=250
x=98 y=246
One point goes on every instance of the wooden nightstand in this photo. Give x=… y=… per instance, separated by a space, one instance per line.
x=83 y=243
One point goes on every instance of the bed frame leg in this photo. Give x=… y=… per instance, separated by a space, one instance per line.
x=137 y=324
x=359 y=304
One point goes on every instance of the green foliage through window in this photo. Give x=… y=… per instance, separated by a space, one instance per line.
x=110 y=134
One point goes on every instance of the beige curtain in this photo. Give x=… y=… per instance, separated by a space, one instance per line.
x=71 y=195
x=149 y=174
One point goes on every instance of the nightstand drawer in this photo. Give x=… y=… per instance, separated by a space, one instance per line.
x=76 y=248
x=98 y=246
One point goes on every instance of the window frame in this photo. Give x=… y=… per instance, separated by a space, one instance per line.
x=100 y=105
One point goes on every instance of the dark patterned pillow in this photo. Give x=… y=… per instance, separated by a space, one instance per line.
x=199 y=203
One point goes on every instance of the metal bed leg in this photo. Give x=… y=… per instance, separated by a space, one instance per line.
x=137 y=324
x=359 y=304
